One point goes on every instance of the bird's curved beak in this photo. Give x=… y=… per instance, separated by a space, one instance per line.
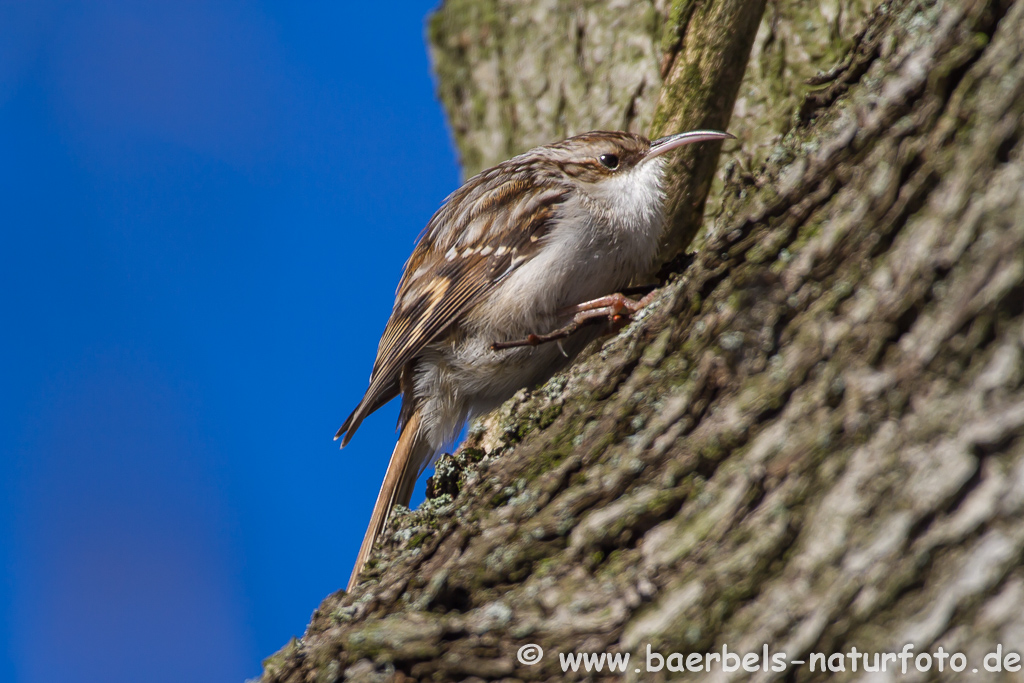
x=670 y=142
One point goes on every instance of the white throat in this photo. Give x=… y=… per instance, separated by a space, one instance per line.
x=634 y=201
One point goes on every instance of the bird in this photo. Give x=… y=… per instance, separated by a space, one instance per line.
x=530 y=251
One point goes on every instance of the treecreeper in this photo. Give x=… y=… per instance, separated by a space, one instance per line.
x=519 y=269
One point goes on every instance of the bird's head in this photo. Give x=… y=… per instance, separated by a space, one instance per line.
x=621 y=173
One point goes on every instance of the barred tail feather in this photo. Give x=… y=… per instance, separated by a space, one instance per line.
x=410 y=454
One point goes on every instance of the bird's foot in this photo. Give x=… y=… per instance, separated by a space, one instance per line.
x=615 y=309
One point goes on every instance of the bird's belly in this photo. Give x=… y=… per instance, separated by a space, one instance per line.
x=535 y=297
x=532 y=300
x=536 y=303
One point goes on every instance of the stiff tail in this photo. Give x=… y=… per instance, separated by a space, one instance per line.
x=406 y=463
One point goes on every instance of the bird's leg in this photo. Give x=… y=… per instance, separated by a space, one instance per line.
x=615 y=309
x=538 y=339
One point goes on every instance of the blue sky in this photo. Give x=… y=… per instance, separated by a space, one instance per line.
x=205 y=211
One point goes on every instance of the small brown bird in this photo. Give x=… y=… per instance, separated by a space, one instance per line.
x=523 y=253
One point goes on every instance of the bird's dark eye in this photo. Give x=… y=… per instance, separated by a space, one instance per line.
x=609 y=161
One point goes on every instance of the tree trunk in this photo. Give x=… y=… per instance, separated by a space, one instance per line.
x=812 y=441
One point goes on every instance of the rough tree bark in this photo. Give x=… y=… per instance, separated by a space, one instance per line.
x=814 y=439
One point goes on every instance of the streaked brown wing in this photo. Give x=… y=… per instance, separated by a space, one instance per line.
x=452 y=268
